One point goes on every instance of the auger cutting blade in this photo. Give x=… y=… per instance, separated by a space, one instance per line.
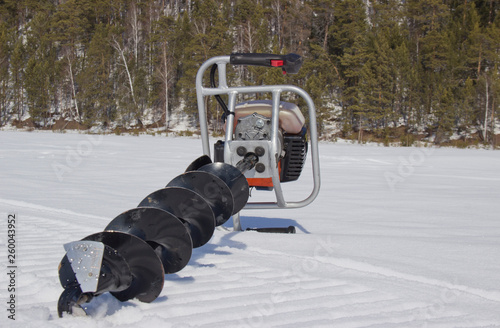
x=164 y=232
x=82 y=279
x=71 y=300
x=235 y=180
x=188 y=206
x=85 y=259
x=67 y=277
x=145 y=265
x=113 y=274
x=212 y=189
x=72 y=296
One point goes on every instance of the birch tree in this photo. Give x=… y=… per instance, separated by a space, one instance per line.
x=121 y=53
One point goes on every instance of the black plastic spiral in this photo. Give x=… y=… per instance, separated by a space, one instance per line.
x=130 y=257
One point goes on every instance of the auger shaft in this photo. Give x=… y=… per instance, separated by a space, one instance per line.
x=247 y=163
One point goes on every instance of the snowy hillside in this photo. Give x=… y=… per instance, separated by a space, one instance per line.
x=398 y=237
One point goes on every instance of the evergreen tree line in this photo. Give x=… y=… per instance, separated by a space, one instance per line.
x=368 y=64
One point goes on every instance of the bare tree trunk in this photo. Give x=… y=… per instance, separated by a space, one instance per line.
x=479 y=60
x=188 y=2
x=3 y=105
x=165 y=76
x=122 y=55
x=250 y=39
x=276 y=6
x=493 y=137
x=73 y=90
x=135 y=30
x=360 y=131
x=485 y=129
x=20 y=103
x=325 y=39
x=490 y=17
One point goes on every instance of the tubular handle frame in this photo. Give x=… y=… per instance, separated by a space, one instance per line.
x=276 y=90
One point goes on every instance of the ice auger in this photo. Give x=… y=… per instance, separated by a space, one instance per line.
x=265 y=144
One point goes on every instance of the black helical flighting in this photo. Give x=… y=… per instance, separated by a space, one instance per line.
x=130 y=257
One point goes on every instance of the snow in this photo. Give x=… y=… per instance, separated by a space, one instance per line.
x=398 y=237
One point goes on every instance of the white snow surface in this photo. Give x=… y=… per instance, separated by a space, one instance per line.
x=398 y=237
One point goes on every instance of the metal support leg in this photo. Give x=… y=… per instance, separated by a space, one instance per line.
x=237 y=222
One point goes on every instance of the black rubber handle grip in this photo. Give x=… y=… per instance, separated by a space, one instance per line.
x=290 y=229
x=290 y=63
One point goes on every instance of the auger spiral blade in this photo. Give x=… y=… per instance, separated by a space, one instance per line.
x=212 y=189
x=234 y=179
x=189 y=207
x=199 y=162
x=164 y=232
x=145 y=265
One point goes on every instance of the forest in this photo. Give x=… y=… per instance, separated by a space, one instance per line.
x=376 y=68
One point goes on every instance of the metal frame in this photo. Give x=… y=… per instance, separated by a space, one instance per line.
x=276 y=91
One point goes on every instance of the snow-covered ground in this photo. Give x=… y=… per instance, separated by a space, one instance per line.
x=398 y=237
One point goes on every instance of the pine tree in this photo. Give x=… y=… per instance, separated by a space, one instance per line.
x=390 y=58
x=405 y=87
x=96 y=81
x=207 y=37
x=249 y=22
x=348 y=48
x=5 y=90
x=431 y=53
x=40 y=68
x=376 y=82
x=69 y=27
x=322 y=17
x=17 y=62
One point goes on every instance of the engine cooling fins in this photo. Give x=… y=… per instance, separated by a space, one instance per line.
x=130 y=258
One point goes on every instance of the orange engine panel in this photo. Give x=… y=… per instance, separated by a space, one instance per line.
x=263 y=182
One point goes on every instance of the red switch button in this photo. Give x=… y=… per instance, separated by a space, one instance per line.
x=277 y=62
